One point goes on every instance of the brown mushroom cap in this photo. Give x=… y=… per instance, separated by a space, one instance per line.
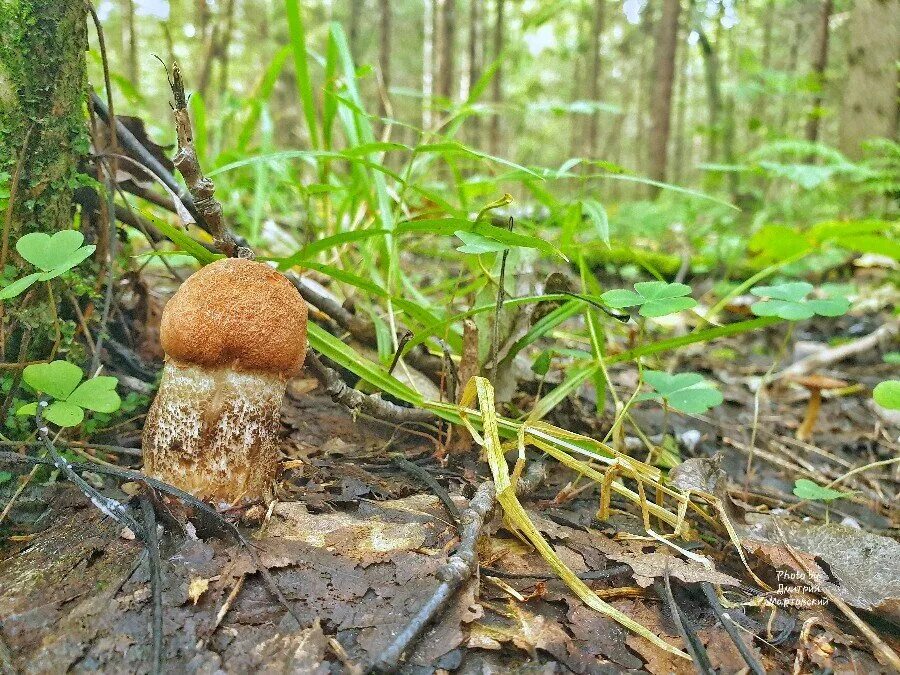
x=237 y=314
x=819 y=382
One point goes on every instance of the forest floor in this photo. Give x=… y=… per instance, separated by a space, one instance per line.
x=356 y=539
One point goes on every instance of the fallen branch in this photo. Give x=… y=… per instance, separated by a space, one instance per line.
x=201 y=188
x=457 y=570
x=369 y=404
x=832 y=355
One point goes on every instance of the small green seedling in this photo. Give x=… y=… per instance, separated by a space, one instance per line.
x=62 y=381
x=687 y=392
x=806 y=489
x=887 y=394
x=789 y=301
x=655 y=298
x=5 y=477
x=892 y=358
x=52 y=255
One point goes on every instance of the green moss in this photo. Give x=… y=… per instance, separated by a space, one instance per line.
x=42 y=90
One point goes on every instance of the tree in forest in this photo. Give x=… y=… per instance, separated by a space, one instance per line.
x=661 y=103
x=497 y=84
x=43 y=137
x=597 y=24
x=819 y=63
x=870 y=105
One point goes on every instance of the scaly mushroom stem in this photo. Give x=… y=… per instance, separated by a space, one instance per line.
x=214 y=433
x=804 y=431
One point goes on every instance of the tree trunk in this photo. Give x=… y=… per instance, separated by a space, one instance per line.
x=475 y=65
x=661 y=106
x=42 y=141
x=594 y=73
x=713 y=95
x=427 y=62
x=384 y=56
x=134 y=71
x=791 y=69
x=497 y=84
x=870 y=97
x=819 y=63
x=42 y=91
x=448 y=49
x=356 y=9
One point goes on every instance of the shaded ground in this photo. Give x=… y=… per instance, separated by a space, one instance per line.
x=356 y=542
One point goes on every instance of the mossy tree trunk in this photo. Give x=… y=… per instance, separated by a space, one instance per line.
x=43 y=139
x=42 y=97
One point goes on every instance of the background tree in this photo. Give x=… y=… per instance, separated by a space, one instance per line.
x=661 y=103
x=870 y=95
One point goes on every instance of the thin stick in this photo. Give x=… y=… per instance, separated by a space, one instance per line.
x=731 y=628
x=457 y=570
x=200 y=187
x=356 y=400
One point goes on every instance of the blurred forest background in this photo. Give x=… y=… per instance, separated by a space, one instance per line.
x=786 y=108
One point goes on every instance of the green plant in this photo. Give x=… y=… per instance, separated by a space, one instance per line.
x=789 y=301
x=655 y=298
x=887 y=394
x=807 y=489
x=62 y=381
x=687 y=392
x=53 y=255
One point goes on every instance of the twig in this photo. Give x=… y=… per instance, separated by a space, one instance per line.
x=147 y=160
x=109 y=507
x=223 y=611
x=731 y=628
x=458 y=568
x=356 y=400
x=201 y=188
x=17 y=377
x=359 y=328
x=111 y=171
x=423 y=475
x=593 y=575
x=827 y=357
x=152 y=544
x=685 y=630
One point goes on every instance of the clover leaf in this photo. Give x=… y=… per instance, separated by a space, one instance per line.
x=806 y=489
x=887 y=394
x=53 y=255
x=789 y=301
x=62 y=381
x=655 y=298
x=687 y=392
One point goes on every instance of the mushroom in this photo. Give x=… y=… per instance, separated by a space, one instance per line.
x=233 y=334
x=815 y=384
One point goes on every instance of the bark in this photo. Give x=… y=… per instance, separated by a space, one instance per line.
x=42 y=141
x=475 y=65
x=597 y=25
x=870 y=96
x=427 y=62
x=791 y=69
x=681 y=133
x=384 y=55
x=134 y=72
x=42 y=93
x=497 y=84
x=713 y=95
x=819 y=63
x=448 y=49
x=661 y=106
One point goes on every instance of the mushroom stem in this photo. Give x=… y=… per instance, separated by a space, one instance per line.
x=213 y=432
x=804 y=431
